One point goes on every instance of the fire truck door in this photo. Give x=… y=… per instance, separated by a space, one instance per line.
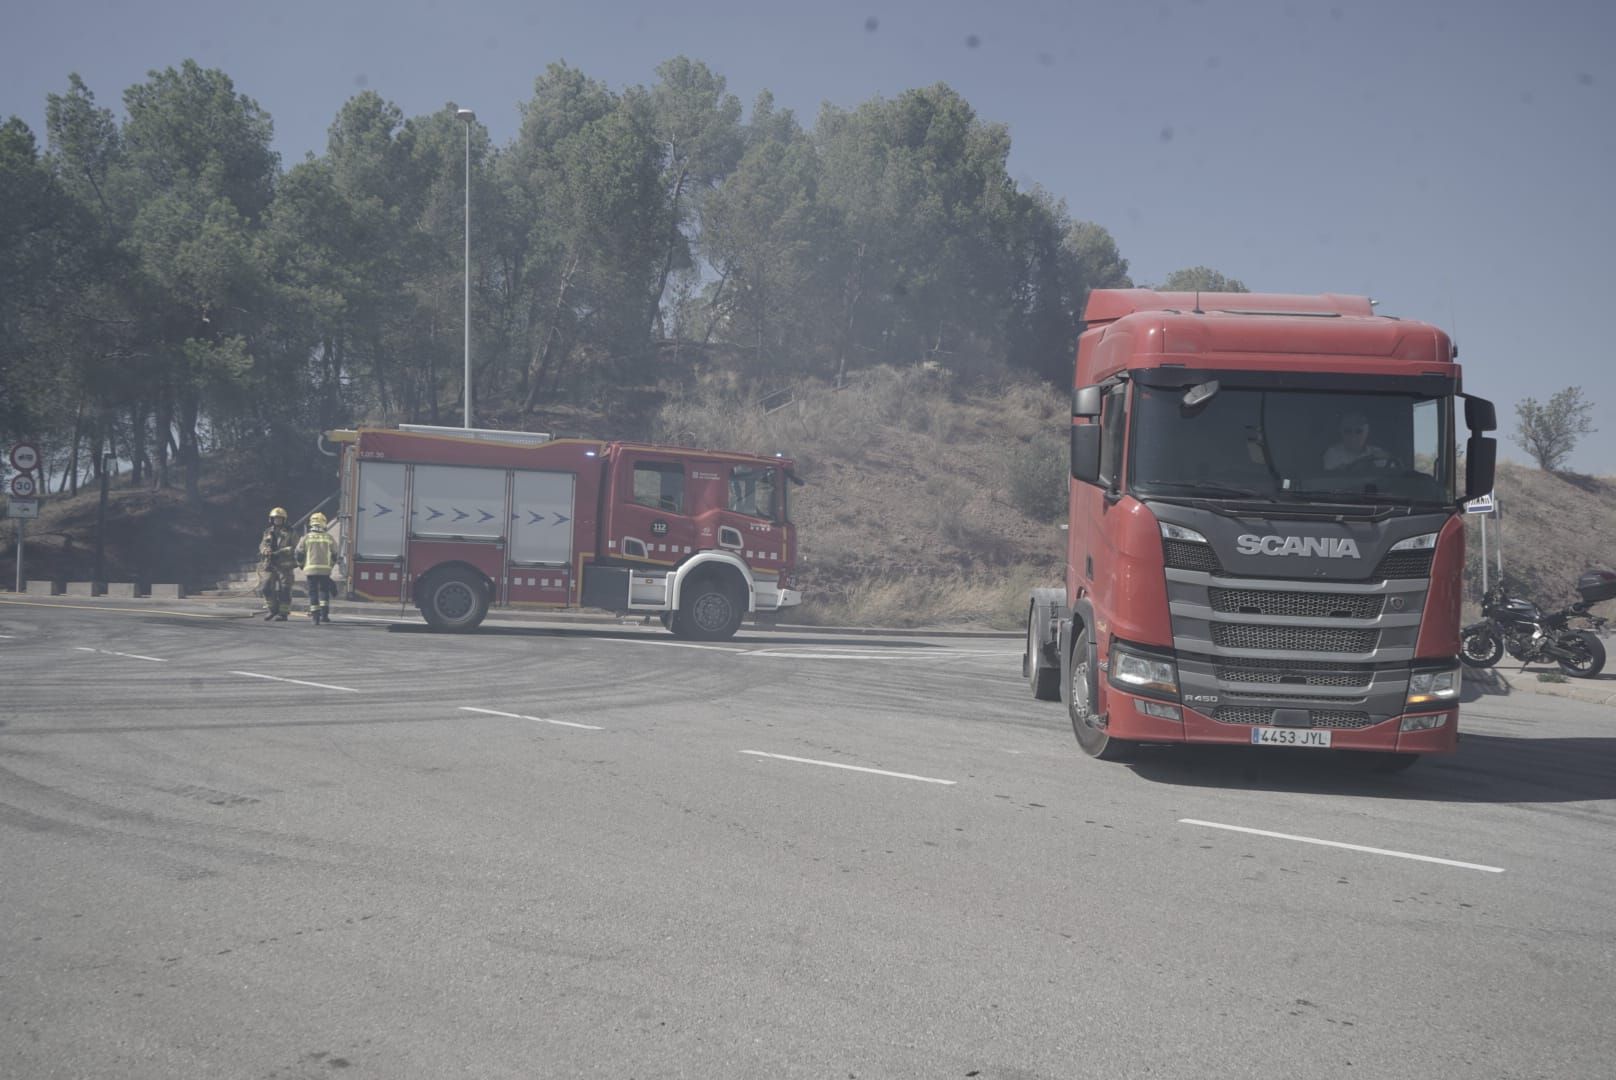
x=379 y=514
x=541 y=513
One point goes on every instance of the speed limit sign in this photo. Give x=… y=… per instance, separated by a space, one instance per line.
x=25 y=456
x=22 y=486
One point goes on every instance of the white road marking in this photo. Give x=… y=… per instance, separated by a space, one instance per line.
x=535 y=719
x=299 y=682
x=850 y=768
x=126 y=655
x=1349 y=847
x=875 y=654
x=676 y=644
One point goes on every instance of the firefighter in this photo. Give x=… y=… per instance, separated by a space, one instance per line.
x=278 y=555
x=314 y=554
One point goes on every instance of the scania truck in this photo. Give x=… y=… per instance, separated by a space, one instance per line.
x=458 y=520
x=1265 y=541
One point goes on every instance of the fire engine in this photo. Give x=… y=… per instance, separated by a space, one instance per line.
x=1265 y=541
x=460 y=520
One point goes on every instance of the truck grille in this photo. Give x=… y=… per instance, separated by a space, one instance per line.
x=1288 y=673
x=1405 y=564
x=1312 y=605
x=1184 y=555
x=1320 y=718
x=1294 y=638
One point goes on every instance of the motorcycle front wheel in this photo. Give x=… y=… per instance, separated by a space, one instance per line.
x=1590 y=654
x=1480 y=646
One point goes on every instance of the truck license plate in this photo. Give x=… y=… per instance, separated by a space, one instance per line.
x=1318 y=738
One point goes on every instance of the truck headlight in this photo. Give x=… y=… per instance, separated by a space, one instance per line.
x=1425 y=542
x=1143 y=673
x=1170 y=531
x=1433 y=687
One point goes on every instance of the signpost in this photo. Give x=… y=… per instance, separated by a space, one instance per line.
x=1487 y=506
x=22 y=505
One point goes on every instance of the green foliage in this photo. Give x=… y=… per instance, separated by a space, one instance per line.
x=1549 y=432
x=1202 y=279
x=1036 y=476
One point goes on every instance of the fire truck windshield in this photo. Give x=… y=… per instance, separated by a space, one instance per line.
x=1286 y=444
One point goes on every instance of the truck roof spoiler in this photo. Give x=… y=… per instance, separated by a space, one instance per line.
x=1109 y=305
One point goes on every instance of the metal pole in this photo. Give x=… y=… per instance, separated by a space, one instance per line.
x=21 y=524
x=1498 y=537
x=1484 y=555
x=468 y=116
x=101 y=522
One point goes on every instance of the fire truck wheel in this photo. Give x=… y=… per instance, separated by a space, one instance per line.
x=453 y=600
x=1080 y=693
x=709 y=610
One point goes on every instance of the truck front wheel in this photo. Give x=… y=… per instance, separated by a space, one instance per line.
x=453 y=600
x=710 y=609
x=1080 y=705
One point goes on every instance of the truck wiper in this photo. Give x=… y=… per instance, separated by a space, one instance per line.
x=1216 y=491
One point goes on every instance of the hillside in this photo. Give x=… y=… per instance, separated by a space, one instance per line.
x=923 y=503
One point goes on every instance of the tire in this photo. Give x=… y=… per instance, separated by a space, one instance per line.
x=710 y=609
x=1079 y=695
x=1594 y=655
x=454 y=600
x=1480 y=647
x=1044 y=680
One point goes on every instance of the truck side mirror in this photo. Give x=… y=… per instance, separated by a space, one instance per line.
x=1086 y=453
x=1481 y=462
x=1480 y=415
x=1086 y=401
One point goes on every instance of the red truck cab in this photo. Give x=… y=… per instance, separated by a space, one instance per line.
x=1265 y=542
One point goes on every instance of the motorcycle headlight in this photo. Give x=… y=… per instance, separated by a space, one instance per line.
x=1433 y=687
x=1143 y=673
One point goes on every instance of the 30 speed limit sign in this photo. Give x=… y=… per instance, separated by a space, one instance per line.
x=25 y=456
x=22 y=486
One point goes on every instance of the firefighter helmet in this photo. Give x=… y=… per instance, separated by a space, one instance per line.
x=278 y=514
x=317 y=520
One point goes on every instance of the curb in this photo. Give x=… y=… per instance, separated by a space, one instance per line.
x=1594 y=692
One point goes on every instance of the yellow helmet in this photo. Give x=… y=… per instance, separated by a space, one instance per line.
x=317 y=520
x=279 y=513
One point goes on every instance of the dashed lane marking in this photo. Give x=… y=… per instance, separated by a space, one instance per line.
x=299 y=682
x=850 y=768
x=1348 y=847
x=126 y=655
x=535 y=719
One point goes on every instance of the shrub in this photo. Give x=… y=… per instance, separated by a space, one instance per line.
x=1036 y=476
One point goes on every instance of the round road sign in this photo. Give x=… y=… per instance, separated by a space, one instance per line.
x=22 y=486
x=25 y=456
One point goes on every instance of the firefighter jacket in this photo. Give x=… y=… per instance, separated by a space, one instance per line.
x=276 y=547
x=314 y=552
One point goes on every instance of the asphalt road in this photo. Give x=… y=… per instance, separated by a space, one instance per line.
x=238 y=849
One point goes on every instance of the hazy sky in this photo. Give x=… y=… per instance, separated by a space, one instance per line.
x=1454 y=160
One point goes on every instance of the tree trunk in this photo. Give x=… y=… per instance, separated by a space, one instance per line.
x=190 y=449
x=164 y=437
x=673 y=242
x=137 y=445
x=73 y=459
x=545 y=357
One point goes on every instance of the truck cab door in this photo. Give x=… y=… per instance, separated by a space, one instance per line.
x=650 y=518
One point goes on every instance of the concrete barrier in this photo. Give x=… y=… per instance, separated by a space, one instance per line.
x=86 y=588
x=123 y=590
x=168 y=592
x=44 y=588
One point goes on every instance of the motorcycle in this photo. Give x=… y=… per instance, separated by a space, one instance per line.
x=1526 y=632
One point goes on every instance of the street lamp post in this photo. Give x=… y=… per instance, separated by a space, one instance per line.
x=468 y=116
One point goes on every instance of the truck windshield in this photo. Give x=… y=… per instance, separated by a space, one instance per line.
x=1230 y=442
